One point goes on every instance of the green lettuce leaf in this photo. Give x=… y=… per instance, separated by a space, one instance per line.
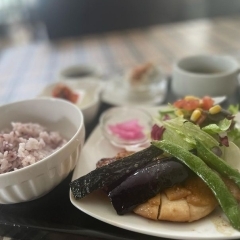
x=234 y=136
x=234 y=109
x=185 y=133
x=222 y=126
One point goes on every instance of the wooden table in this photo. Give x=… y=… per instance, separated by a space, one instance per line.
x=25 y=69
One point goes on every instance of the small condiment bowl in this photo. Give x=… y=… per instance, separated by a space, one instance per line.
x=145 y=82
x=36 y=180
x=89 y=95
x=80 y=72
x=144 y=87
x=126 y=127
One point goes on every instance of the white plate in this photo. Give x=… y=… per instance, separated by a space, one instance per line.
x=115 y=94
x=219 y=100
x=97 y=205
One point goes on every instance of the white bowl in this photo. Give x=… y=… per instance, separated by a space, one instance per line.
x=36 y=180
x=89 y=89
x=202 y=75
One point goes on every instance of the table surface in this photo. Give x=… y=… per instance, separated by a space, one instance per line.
x=25 y=70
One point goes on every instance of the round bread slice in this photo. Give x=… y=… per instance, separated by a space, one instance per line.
x=149 y=209
x=195 y=201
x=175 y=211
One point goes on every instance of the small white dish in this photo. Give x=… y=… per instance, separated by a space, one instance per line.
x=89 y=95
x=142 y=78
x=116 y=94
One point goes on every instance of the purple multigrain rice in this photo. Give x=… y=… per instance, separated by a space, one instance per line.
x=25 y=144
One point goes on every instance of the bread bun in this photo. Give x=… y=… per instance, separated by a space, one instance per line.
x=187 y=202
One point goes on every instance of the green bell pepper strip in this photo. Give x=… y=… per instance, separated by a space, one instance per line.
x=223 y=195
x=217 y=163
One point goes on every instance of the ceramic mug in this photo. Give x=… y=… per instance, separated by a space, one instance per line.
x=203 y=75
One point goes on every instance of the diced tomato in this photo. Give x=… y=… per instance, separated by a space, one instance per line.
x=179 y=103
x=187 y=104
x=207 y=102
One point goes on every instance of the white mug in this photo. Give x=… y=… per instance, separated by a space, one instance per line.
x=203 y=75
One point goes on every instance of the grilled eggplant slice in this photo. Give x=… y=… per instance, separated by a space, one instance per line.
x=113 y=172
x=146 y=182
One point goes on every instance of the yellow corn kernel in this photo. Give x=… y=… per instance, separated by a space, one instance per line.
x=195 y=115
x=179 y=113
x=215 y=109
x=189 y=97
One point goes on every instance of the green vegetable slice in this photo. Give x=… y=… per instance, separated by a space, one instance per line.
x=188 y=132
x=214 y=128
x=223 y=195
x=217 y=163
x=234 y=135
x=234 y=109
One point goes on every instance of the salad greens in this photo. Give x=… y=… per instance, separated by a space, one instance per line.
x=179 y=136
x=185 y=133
x=214 y=128
x=234 y=109
x=222 y=126
x=234 y=136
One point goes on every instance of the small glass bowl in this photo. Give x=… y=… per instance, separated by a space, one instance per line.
x=124 y=116
x=147 y=83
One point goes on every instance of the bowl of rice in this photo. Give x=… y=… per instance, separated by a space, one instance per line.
x=40 y=143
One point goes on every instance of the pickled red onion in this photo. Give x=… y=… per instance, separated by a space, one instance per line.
x=129 y=130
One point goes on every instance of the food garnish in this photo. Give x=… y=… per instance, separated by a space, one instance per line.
x=213 y=119
x=65 y=92
x=200 y=111
x=128 y=130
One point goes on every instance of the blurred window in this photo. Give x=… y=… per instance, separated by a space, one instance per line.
x=15 y=10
